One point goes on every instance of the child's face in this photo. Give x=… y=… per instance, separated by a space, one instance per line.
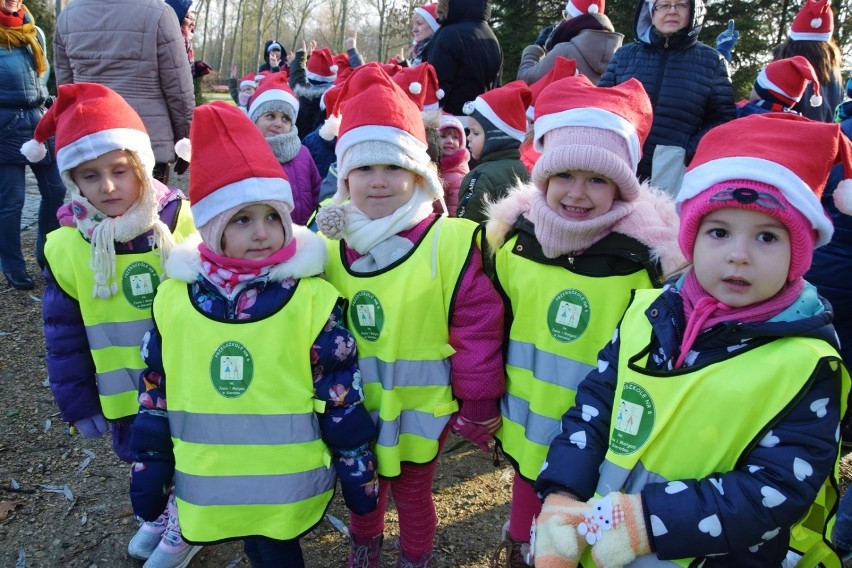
x=253 y=233
x=248 y=89
x=476 y=138
x=579 y=195
x=274 y=58
x=110 y=182
x=273 y=123
x=450 y=141
x=741 y=257
x=379 y=190
x=420 y=28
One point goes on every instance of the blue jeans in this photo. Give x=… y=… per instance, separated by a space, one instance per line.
x=842 y=537
x=266 y=552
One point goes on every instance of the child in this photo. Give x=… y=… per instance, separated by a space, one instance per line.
x=241 y=91
x=708 y=431
x=273 y=108
x=779 y=87
x=312 y=72
x=252 y=426
x=427 y=321
x=454 y=159
x=496 y=123
x=102 y=272
x=571 y=246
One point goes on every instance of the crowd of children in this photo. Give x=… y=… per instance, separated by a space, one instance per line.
x=596 y=331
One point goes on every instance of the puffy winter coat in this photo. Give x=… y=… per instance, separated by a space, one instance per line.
x=591 y=49
x=305 y=182
x=688 y=83
x=135 y=48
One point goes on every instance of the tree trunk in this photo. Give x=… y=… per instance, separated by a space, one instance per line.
x=258 y=43
x=221 y=58
x=238 y=35
x=782 y=25
x=204 y=33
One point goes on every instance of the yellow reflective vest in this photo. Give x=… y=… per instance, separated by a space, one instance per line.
x=115 y=326
x=560 y=321
x=249 y=456
x=400 y=319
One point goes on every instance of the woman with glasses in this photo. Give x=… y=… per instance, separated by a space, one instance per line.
x=688 y=83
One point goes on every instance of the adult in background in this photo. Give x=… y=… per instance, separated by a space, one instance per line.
x=811 y=37
x=585 y=35
x=688 y=82
x=134 y=47
x=23 y=73
x=273 y=54
x=465 y=53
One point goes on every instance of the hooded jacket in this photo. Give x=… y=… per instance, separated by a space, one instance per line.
x=465 y=53
x=266 y=66
x=688 y=82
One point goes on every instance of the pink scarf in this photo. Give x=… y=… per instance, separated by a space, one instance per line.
x=227 y=272
x=702 y=311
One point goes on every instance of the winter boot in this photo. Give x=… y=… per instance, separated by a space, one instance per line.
x=365 y=552
x=424 y=561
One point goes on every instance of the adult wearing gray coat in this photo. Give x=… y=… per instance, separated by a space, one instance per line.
x=135 y=48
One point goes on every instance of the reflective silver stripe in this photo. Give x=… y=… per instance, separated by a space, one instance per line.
x=253 y=489
x=546 y=366
x=118 y=334
x=405 y=373
x=537 y=428
x=241 y=429
x=410 y=422
x=118 y=381
x=616 y=478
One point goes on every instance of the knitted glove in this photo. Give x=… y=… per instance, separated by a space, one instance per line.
x=726 y=40
x=357 y=472
x=615 y=527
x=554 y=541
x=200 y=69
x=480 y=433
x=543 y=35
x=93 y=426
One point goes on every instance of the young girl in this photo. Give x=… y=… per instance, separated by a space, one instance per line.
x=241 y=90
x=497 y=123
x=103 y=270
x=427 y=321
x=454 y=159
x=264 y=392
x=708 y=431
x=274 y=108
x=571 y=246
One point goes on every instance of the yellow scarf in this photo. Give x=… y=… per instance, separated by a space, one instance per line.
x=25 y=36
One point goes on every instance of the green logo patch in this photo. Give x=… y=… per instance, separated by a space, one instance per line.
x=366 y=315
x=568 y=315
x=634 y=420
x=138 y=283
x=231 y=369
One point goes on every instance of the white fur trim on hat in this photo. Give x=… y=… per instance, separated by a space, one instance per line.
x=330 y=128
x=34 y=151
x=816 y=100
x=427 y=17
x=101 y=142
x=247 y=190
x=764 y=81
x=272 y=95
x=183 y=149
x=485 y=110
x=791 y=186
x=594 y=118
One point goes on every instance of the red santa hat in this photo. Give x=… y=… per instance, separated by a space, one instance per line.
x=751 y=149
x=248 y=80
x=814 y=22
x=505 y=107
x=786 y=80
x=273 y=94
x=576 y=8
x=429 y=13
x=562 y=67
x=230 y=164
x=261 y=75
x=321 y=66
x=421 y=84
x=579 y=126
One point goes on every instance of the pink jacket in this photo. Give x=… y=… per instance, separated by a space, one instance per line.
x=452 y=171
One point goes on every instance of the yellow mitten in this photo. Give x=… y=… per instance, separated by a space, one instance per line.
x=554 y=541
x=615 y=527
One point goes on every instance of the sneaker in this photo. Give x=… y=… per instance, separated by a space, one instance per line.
x=172 y=551
x=147 y=538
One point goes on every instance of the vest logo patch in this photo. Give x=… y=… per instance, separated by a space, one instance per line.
x=138 y=283
x=634 y=420
x=366 y=315
x=568 y=315
x=231 y=369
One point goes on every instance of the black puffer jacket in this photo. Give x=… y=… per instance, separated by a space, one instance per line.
x=465 y=53
x=688 y=82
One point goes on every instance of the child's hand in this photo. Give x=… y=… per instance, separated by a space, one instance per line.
x=233 y=74
x=726 y=40
x=312 y=46
x=480 y=433
x=554 y=540
x=351 y=41
x=93 y=426
x=358 y=479
x=625 y=536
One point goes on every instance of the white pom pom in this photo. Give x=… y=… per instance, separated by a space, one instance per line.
x=34 y=151
x=816 y=22
x=593 y=9
x=469 y=107
x=415 y=88
x=333 y=68
x=183 y=149
x=816 y=100
x=330 y=127
x=843 y=196
x=440 y=94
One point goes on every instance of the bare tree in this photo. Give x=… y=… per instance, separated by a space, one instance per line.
x=221 y=58
x=258 y=33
